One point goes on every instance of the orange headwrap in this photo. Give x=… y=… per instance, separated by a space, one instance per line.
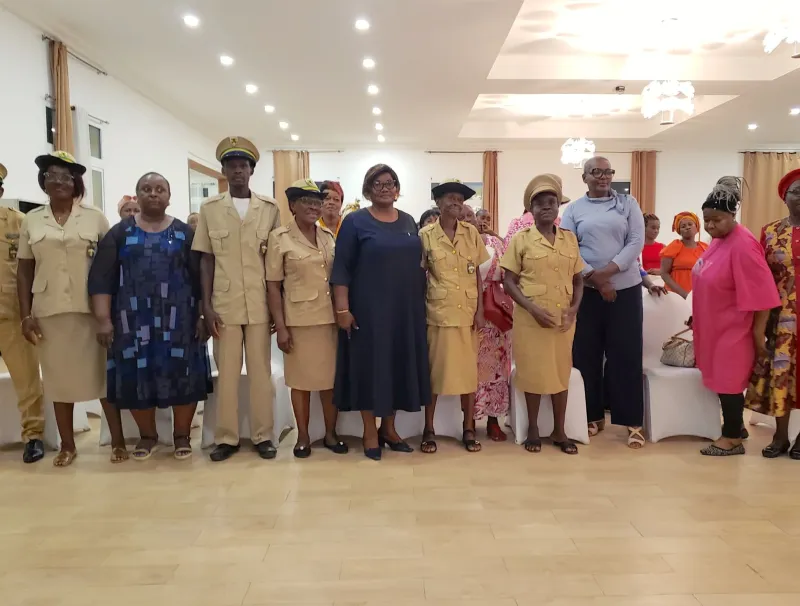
x=676 y=222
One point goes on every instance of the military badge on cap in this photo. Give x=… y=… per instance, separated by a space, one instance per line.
x=237 y=147
x=304 y=188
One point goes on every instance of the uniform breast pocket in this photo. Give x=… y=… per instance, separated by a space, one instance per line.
x=437 y=260
x=297 y=261
x=220 y=241
x=37 y=242
x=88 y=242
x=567 y=262
x=536 y=262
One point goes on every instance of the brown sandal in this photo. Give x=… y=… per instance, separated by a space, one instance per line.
x=65 y=458
x=183 y=448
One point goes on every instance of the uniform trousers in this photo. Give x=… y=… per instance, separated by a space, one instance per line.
x=255 y=339
x=608 y=353
x=23 y=366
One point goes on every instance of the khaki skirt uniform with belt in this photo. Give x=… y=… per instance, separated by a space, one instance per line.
x=452 y=300
x=73 y=362
x=543 y=356
x=305 y=270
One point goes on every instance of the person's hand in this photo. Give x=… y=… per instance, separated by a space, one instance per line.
x=31 y=330
x=760 y=340
x=214 y=323
x=105 y=333
x=346 y=322
x=608 y=292
x=285 y=343
x=201 y=330
x=656 y=290
x=479 y=321
x=654 y=272
x=543 y=317
x=690 y=321
x=568 y=318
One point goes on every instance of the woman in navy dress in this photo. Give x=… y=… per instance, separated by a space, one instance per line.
x=379 y=292
x=145 y=295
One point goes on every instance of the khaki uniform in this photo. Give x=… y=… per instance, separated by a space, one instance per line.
x=305 y=270
x=239 y=296
x=452 y=300
x=19 y=355
x=73 y=362
x=543 y=356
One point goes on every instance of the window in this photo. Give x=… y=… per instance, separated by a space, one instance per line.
x=621 y=187
x=49 y=117
x=98 y=188
x=96 y=142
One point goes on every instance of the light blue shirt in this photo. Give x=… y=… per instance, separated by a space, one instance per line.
x=608 y=230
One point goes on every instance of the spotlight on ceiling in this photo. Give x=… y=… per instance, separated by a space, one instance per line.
x=372 y=89
x=381 y=139
x=251 y=89
x=283 y=125
x=226 y=60
x=752 y=126
x=368 y=63
x=270 y=109
x=379 y=126
x=192 y=21
x=295 y=137
x=376 y=111
x=795 y=111
x=362 y=25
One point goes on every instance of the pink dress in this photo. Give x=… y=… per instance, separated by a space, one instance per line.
x=730 y=282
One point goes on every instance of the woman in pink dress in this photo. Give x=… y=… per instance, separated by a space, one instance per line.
x=733 y=292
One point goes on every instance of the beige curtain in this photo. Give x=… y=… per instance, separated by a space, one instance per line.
x=643 y=179
x=59 y=82
x=760 y=201
x=290 y=166
x=490 y=190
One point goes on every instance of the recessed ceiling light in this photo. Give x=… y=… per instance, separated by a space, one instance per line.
x=368 y=63
x=251 y=89
x=226 y=60
x=295 y=137
x=191 y=21
x=362 y=25
x=379 y=126
x=373 y=89
x=376 y=111
x=381 y=139
x=752 y=126
x=795 y=111
x=270 y=109
x=283 y=125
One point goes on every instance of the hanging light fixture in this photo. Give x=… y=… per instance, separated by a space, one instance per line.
x=665 y=97
x=783 y=33
x=577 y=151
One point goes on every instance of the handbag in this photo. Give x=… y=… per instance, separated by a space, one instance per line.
x=678 y=351
x=498 y=307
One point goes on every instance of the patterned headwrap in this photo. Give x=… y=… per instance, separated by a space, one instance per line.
x=787 y=181
x=335 y=186
x=124 y=201
x=676 y=222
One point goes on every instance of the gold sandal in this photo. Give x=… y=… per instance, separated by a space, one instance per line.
x=119 y=454
x=65 y=458
x=636 y=440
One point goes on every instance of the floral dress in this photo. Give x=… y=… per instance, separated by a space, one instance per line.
x=773 y=386
x=494 y=350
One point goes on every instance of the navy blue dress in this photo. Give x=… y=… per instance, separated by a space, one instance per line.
x=383 y=367
x=155 y=359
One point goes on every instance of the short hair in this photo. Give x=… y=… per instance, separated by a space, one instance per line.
x=431 y=212
x=153 y=174
x=78 y=187
x=375 y=172
x=481 y=211
x=593 y=160
x=650 y=217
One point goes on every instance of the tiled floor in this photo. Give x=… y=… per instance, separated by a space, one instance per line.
x=610 y=527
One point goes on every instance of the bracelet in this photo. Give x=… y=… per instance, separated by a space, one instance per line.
x=343 y=311
x=26 y=318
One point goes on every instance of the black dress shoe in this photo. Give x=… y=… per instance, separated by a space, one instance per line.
x=394 y=446
x=373 y=453
x=223 y=452
x=266 y=450
x=34 y=451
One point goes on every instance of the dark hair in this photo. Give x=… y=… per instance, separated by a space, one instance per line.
x=375 y=172
x=650 y=217
x=431 y=212
x=726 y=195
x=153 y=174
x=481 y=211
x=78 y=187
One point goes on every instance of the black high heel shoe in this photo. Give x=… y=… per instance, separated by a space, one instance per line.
x=373 y=453
x=394 y=446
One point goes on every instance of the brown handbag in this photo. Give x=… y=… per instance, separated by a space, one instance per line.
x=498 y=307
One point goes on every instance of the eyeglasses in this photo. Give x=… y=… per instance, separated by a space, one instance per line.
x=602 y=172
x=59 y=177
x=384 y=185
x=309 y=202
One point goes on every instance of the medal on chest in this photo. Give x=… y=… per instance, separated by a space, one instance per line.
x=13 y=245
x=91 y=251
x=470 y=266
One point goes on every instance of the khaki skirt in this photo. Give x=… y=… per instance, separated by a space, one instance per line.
x=312 y=364
x=73 y=362
x=543 y=356
x=453 y=355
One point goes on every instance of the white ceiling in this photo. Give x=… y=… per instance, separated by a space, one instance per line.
x=454 y=74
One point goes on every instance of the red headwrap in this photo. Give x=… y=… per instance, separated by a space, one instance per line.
x=676 y=222
x=787 y=181
x=335 y=186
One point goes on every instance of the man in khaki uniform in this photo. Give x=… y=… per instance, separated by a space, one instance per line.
x=19 y=355
x=232 y=234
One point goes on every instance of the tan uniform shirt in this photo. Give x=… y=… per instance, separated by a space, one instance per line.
x=452 y=297
x=63 y=256
x=305 y=271
x=10 y=223
x=545 y=270
x=239 y=248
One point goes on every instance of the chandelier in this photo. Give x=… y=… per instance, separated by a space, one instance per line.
x=665 y=97
x=783 y=33
x=577 y=151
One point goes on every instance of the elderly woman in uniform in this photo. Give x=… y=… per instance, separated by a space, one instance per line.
x=57 y=244
x=299 y=262
x=543 y=276
x=452 y=252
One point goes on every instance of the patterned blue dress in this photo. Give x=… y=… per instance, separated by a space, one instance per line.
x=155 y=359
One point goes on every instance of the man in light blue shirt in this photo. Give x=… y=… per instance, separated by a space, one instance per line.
x=607 y=349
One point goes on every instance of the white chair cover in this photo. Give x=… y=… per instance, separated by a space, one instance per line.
x=756 y=418
x=576 y=425
x=130 y=430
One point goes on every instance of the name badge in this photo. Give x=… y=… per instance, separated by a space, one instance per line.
x=470 y=268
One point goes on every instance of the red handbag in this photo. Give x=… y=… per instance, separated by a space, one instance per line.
x=498 y=307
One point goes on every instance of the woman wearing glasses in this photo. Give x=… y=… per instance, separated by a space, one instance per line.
x=610 y=231
x=379 y=295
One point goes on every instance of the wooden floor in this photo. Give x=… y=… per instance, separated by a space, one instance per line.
x=610 y=527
